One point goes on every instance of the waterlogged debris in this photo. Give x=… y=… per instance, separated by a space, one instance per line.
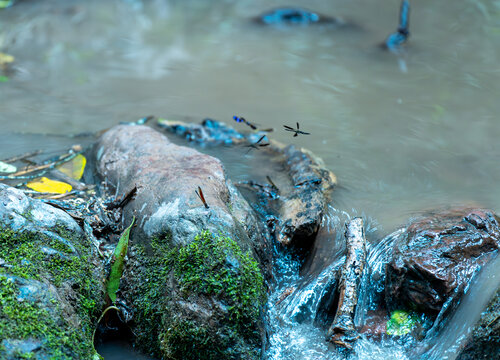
x=401 y=323
x=342 y=332
x=23 y=156
x=291 y=16
x=74 y=168
x=46 y=185
x=118 y=262
x=34 y=172
x=7 y=168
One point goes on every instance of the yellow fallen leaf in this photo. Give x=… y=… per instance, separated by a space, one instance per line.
x=74 y=168
x=6 y=59
x=49 y=186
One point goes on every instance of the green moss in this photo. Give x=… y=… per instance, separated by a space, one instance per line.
x=185 y=337
x=19 y=320
x=211 y=266
x=59 y=265
x=215 y=265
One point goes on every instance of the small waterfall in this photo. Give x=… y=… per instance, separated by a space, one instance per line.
x=372 y=287
x=295 y=331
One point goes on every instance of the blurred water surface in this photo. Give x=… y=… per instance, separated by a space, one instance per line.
x=403 y=134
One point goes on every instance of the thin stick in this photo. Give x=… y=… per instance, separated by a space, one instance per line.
x=22 y=157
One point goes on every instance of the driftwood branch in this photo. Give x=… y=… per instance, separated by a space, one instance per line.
x=342 y=331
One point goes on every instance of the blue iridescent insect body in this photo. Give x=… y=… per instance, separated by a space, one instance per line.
x=395 y=40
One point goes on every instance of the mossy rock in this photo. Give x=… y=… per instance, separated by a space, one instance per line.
x=200 y=301
x=50 y=288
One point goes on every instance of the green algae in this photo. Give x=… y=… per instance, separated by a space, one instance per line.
x=210 y=267
x=60 y=258
x=401 y=323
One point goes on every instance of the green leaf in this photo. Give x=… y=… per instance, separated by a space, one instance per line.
x=3 y=78
x=118 y=263
x=401 y=323
x=7 y=168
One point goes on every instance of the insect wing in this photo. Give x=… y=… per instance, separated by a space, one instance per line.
x=262 y=138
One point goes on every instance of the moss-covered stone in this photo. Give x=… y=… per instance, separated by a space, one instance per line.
x=200 y=301
x=50 y=290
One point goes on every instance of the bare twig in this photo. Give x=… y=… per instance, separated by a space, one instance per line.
x=23 y=156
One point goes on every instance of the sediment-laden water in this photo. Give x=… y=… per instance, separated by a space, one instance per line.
x=402 y=133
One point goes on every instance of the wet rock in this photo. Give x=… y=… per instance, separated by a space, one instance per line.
x=191 y=280
x=50 y=288
x=435 y=258
x=287 y=16
x=209 y=132
x=375 y=324
x=485 y=340
x=296 y=217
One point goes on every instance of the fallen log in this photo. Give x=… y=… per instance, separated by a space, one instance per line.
x=342 y=331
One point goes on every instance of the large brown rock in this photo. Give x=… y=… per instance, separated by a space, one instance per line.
x=192 y=297
x=166 y=176
x=436 y=257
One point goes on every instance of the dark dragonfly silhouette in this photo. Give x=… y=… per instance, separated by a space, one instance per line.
x=296 y=131
x=202 y=198
x=243 y=120
x=395 y=40
x=257 y=144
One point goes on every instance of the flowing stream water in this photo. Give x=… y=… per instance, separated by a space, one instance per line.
x=402 y=133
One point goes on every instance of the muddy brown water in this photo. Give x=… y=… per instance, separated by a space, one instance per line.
x=403 y=134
